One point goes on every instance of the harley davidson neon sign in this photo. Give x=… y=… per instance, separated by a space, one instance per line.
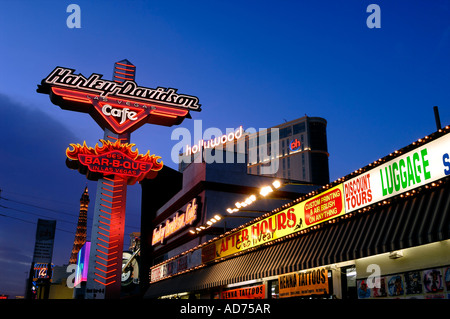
x=114 y=158
x=121 y=107
x=65 y=77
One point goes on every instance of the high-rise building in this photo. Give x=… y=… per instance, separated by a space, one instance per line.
x=302 y=151
x=80 y=235
x=295 y=150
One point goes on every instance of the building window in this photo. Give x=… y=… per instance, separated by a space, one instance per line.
x=299 y=128
x=318 y=136
x=285 y=132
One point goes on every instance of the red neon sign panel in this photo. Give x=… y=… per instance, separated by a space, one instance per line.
x=121 y=107
x=121 y=118
x=115 y=163
x=115 y=159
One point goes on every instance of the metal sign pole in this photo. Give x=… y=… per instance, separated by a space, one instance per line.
x=105 y=259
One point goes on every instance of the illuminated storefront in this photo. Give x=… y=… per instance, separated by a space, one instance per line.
x=301 y=148
x=190 y=210
x=379 y=232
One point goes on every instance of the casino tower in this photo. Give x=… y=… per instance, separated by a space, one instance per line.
x=80 y=235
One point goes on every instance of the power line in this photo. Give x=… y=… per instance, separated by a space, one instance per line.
x=59 y=212
x=125 y=245
x=22 y=211
x=39 y=198
x=40 y=207
x=31 y=222
x=49 y=209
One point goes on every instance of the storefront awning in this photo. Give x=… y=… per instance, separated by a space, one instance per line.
x=404 y=222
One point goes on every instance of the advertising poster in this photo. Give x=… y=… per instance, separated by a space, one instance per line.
x=363 y=290
x=447 y=278
x=413 y=283
x=418 y=284
x=305 y=283
x=395 y=286
x=379 y=287
x=359 y=191
x=432 y=280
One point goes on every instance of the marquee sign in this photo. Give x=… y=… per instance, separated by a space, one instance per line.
x=404 y=173
x=115 y=158
x=120 y=107
x=316 y=210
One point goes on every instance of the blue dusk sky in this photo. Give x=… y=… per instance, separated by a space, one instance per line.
x=251 y=63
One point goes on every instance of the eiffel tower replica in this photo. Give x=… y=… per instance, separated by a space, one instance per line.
x=80 y=236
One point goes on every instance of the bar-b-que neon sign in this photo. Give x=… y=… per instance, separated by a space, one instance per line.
x=115 y=158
